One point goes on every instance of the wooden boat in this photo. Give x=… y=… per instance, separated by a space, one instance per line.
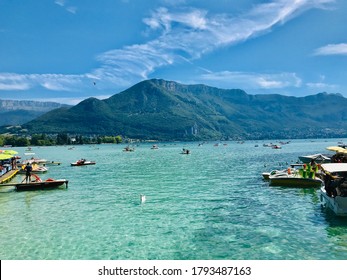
x=82 y=162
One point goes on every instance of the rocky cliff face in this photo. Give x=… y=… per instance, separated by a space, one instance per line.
x=17 y=112
x=13 y=105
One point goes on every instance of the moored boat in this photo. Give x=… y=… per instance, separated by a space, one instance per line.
x=38 y=184
x=299 y=179
x=333 y=194
x=35 y=169
x=318 y=158
x=291 y=169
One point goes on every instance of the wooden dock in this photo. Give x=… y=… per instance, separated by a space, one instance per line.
x=8 y=176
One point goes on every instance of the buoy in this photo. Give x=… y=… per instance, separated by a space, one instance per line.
x=142 y=198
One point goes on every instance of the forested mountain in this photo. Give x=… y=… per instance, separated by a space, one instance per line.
x=165 y=110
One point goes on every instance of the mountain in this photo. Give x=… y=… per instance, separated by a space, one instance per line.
x=166 y=110
x=15 y=112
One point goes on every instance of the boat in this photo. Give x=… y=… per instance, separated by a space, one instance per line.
x=333 y=194
x=318 y=158
x=38 y=184
x=155 y=147
x=82 y=161
x=51 y=163
x=299 y=178
x=36 y=169
x=33 y=161
x=293 y=167
x=185 y=152
x=128 y=149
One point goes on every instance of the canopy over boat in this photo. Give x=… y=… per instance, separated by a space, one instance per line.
x=334 y=167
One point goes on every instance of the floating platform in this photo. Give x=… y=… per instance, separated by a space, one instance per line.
x=8 y=176
x=33 y=186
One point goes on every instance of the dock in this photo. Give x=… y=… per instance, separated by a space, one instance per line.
x=8 y=176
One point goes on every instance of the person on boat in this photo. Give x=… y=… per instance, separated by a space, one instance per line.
x=313 y=165
x=312 y=168
x=28 y=169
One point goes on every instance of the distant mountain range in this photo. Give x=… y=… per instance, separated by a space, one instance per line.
x=17 y=112
x=166 y=110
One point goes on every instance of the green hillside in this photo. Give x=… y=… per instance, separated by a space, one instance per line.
x=164 y=110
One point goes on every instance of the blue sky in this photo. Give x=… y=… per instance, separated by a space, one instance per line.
x=69 y=50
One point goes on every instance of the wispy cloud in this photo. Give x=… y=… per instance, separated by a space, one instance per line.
x=247 y=80
x=63 y=3
x=322 y=86
x=10 y=81
x=54 y=82
x=60 y=2
x=189 y=33
x=332 y=49
x=178 y=34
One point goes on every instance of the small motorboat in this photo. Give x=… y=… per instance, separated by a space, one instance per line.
x=292 y=169
x=318 y=158
x=300 y=178
x=185 y=152
x=35 y=169
x=83 y=162
x=129 y=149
x=38 y=184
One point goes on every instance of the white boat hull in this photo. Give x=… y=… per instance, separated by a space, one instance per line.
x=337 y=204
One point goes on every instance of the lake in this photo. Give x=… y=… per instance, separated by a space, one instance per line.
x=210 y=204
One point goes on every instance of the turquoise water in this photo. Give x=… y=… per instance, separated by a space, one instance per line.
x=211 y=204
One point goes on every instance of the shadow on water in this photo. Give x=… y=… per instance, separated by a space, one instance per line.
x=332 y=220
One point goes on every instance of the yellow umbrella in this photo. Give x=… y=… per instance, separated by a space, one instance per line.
x=5 y=156
x=337 y=149
x=8 y=152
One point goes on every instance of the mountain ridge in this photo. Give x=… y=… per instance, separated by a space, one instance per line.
x=167 y=110
x=17 y=112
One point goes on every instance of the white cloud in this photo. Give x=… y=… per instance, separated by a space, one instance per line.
x=62 y=3
x=248 y=80
x=332 y=49
x=322 y=86
x=189 y=33
x=185 y=34
x=71 y=9
x=10 y=82
x=55 y=82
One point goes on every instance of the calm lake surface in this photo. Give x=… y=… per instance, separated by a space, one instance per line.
x=211 y=204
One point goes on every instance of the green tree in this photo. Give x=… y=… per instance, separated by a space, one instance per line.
x=118 y=139
x=63 y=139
